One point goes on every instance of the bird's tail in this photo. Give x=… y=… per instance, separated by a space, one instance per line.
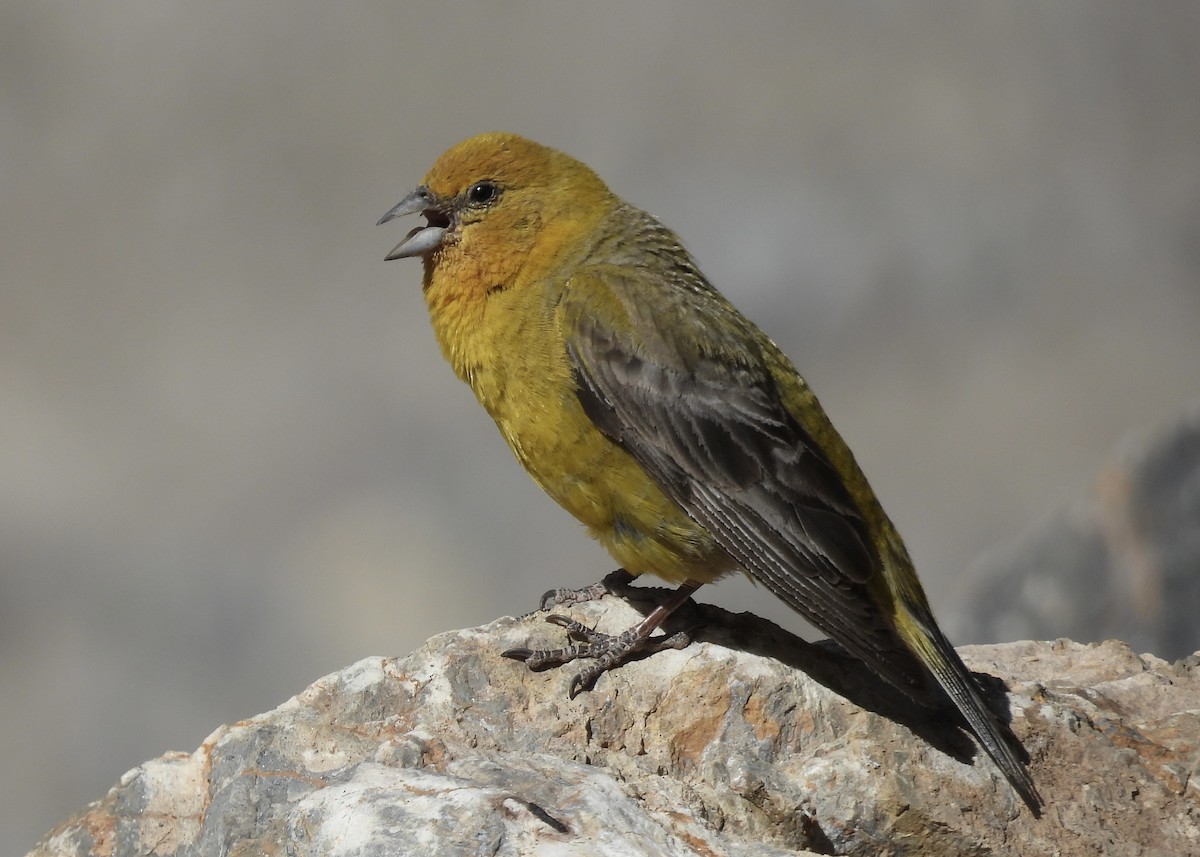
x=914 y=622
x=956 y=680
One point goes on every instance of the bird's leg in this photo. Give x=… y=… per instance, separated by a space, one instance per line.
x=608 y=650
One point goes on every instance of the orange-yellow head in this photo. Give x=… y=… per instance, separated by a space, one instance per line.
x=499 y=207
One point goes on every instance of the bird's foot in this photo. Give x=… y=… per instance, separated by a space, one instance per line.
x=606 y=650
x=614 y=583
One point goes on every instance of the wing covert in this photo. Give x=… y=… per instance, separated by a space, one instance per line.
x=672 y=373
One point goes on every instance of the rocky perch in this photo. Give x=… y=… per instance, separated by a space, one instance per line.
x=747 y=742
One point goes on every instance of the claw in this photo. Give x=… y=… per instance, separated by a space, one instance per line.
x=612 y=584
x=578 y=629
x=578 y=683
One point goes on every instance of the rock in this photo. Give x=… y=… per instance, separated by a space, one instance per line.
x=748 y=742
x=1121 y=562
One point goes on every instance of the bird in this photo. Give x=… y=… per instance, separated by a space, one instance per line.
x=669 y=424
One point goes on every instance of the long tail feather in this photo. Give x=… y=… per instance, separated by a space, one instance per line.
x=954 y=677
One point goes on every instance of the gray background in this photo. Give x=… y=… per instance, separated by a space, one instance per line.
x=231 y=457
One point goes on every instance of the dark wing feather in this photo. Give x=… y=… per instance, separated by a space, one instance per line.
x=680 y=382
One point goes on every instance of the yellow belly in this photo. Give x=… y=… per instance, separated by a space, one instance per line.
x=602 y=486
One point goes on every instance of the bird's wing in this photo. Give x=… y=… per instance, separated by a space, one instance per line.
x=678 y=378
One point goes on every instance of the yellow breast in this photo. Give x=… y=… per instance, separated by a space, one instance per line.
x=510 y=349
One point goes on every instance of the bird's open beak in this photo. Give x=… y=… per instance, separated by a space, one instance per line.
x=423 y=239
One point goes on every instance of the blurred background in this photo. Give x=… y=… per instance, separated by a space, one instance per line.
x=232 y=458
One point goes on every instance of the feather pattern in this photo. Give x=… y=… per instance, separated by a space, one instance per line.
x=705 y=417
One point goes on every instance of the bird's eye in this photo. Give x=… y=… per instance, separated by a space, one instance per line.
x=481 y=193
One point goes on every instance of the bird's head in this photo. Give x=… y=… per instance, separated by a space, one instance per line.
x=492 y=201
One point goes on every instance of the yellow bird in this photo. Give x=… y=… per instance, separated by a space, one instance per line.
x=652 y=410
